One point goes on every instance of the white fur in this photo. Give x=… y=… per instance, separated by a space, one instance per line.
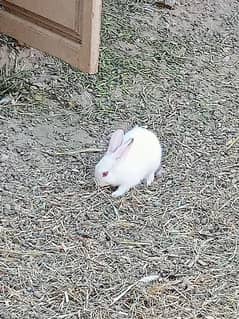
x=130 y=158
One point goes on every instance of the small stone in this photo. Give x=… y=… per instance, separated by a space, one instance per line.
x=37 y=294
x=7 y=207
x=4 y=158
x=6 y=187
x=5 y=100
x=170 y=3
x=156 y=203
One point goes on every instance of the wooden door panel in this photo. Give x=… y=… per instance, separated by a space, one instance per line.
x=66 y=16
x=43 y=24
x=31 y=13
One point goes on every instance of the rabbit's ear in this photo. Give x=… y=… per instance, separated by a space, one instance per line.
x=123 y=149
x=115 y=141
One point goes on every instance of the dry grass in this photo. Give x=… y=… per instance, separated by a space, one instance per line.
x=68 y=250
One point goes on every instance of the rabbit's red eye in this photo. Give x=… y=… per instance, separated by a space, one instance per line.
x=104 y=174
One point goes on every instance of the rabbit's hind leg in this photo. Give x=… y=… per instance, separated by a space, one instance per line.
x=150 y=179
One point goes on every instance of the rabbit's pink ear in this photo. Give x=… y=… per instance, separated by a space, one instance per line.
x=123 y=148
x=115 y=141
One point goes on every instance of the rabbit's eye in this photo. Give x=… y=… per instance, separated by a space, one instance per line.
x=104 y=174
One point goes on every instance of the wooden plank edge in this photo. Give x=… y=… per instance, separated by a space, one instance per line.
x=91 y=11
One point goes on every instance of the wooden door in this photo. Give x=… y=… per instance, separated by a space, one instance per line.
x=68 y=29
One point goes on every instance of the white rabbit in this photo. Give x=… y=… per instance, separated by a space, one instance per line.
x=130 y=158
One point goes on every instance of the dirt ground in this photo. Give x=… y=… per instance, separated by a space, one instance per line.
x=67 y=248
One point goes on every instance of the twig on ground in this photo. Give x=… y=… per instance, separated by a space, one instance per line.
x=85 y=150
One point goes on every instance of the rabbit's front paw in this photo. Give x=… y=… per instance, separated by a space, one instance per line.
x=120 y=191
